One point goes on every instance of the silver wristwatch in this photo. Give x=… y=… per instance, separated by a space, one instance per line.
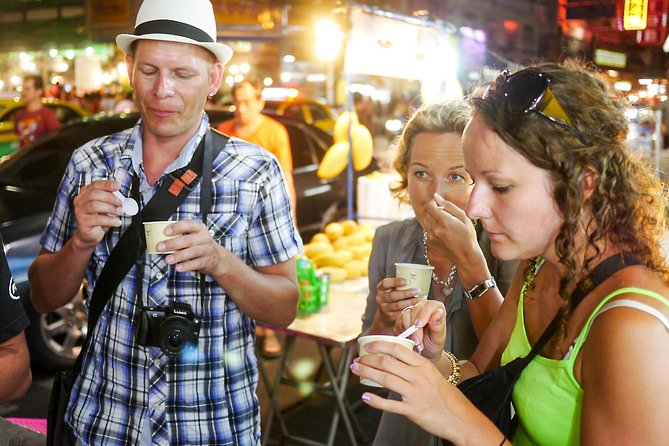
x=480 y=289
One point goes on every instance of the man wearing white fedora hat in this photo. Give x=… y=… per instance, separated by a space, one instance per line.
x=217 y=275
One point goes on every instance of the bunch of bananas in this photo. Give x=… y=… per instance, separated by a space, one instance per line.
x=341 y=250
x=336 y=158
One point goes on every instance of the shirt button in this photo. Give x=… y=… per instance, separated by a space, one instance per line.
x=159 y=276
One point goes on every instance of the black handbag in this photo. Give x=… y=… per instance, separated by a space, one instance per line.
x=491 y=391
x=132 y=243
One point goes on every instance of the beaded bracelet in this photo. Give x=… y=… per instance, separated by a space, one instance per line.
x=455 y=367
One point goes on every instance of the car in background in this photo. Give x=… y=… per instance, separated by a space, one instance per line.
x=311 y=112
x=66 y=112
x=29 y=180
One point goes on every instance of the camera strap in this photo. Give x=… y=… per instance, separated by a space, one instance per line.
x=132 y=244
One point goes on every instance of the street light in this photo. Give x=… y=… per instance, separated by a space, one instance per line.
x=329 y=38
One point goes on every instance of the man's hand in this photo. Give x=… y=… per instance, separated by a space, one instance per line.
x=195 y=248
x=96 y=210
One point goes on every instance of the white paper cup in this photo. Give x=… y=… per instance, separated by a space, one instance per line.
x=362 y=340
x=154 y=232
x=417 y=276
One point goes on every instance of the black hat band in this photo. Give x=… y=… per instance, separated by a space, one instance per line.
x=173 y=27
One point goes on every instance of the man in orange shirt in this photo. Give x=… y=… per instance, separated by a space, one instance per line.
x=251 y=125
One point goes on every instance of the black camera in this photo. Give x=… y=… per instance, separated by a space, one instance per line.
x=173 y=328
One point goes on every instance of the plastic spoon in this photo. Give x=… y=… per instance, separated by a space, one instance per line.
x=129 y=205
x=408 y=332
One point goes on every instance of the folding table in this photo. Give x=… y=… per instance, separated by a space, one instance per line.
x=338 y=325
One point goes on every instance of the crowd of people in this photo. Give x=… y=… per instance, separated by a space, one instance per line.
x=519 y=193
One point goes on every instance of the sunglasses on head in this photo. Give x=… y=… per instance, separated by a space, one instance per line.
x=528 y=91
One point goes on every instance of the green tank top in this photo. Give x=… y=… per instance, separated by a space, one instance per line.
x=547 y=398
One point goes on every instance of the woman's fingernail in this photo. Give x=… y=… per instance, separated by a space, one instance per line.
x=354 y=366
x=366 y=397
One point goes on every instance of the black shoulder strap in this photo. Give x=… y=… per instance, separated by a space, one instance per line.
x=599 y=274
x=174 y=189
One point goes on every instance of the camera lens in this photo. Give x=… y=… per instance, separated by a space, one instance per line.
x=175 y=337
x=175 y=340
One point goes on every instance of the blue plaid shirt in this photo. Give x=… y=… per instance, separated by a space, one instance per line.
x=127 y=393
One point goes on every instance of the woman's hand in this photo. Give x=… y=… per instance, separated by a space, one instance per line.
x=430 y=315
x=450 y=233
x=427 y=398
x=392 y=301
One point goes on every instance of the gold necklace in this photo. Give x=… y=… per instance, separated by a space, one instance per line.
x=447 y=285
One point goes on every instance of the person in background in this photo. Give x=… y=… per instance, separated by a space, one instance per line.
x=236 y=267
x=253 y=126
x=429 y=161
x=15 y=375
x=35 y=121
x=125 y=103
x=557 y=186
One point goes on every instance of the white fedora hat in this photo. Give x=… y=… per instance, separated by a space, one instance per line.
x=190 y=21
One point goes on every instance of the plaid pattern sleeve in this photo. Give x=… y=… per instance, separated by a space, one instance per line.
x=131 y=394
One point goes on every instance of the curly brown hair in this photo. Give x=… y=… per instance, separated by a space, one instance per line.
x=628 y=204
x=446 y=117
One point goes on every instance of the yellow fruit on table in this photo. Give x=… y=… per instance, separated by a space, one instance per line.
x=355 y=268
x=350 y=226
x=337 y=258
x=320 y=237
x=356 y=239
x=334 y=230
x=361 y=251
x=368 y=233
x=336 y=274
x=340 y=243
x=314 y=249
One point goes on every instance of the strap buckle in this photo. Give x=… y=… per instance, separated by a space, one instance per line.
x=179 y=183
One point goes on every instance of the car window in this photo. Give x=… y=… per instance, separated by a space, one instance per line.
x=293 y=111
x=64 y=114
x=318 y=113
x=303 y=154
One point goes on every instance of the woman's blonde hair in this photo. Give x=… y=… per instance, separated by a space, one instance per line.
x=628 y=203
x=445 y=117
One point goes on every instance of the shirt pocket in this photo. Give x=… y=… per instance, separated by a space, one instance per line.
x=229 y=230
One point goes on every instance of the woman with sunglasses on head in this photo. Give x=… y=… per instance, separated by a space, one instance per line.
x=429 y=162
x=556 y=186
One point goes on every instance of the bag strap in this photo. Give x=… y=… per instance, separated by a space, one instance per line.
x=160 y=207
x=601 y=272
